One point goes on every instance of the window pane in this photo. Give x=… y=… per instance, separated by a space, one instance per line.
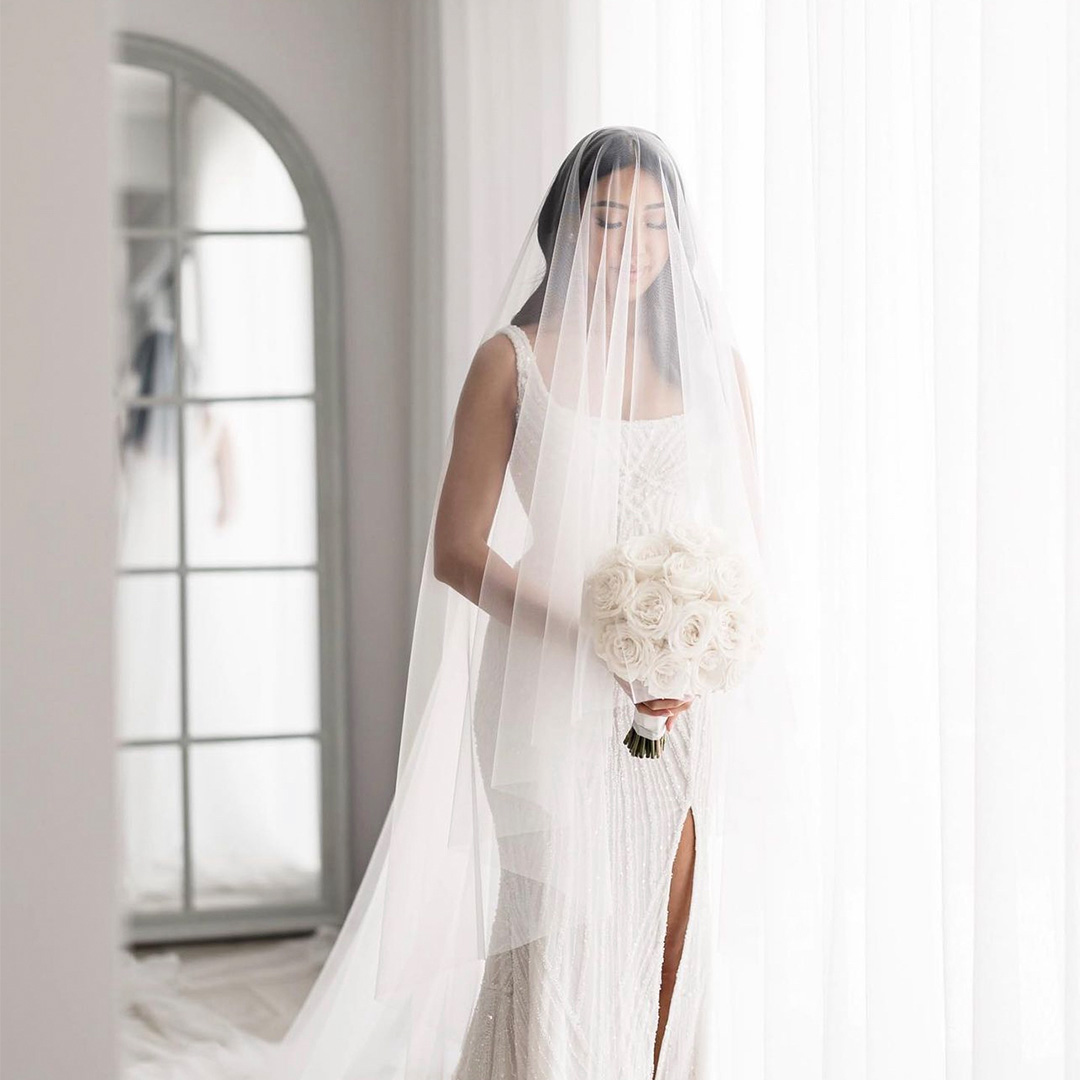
x=234 y=179
x=148 y=656
x=148 y=488
x=143 y=166
x=250 y=483
x=253 y=653
x=255 y=823
x=247 y=315
x=147 y=361
x=153 y=845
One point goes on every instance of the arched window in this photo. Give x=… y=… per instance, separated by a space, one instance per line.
x=230 y=649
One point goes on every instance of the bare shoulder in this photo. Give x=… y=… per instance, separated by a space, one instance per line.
x=495 y=360
x=491 y=381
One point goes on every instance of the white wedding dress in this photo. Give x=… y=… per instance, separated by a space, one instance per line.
x=537 y=1004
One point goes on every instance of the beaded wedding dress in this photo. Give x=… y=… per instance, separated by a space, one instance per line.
x=537 y=1003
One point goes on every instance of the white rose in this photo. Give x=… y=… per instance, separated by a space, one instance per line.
x=733 y=670
x=624 y=651
x=694 y=537
x=688 y=575
x=731 y=577
x=709 y=669
x=608 y=588
x=742 y=636
x=691 y=628
x=650 y=608
x=668 y=676
x=646 y=553
x=726 y=628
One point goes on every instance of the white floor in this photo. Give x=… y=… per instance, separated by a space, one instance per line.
x=212 y=1012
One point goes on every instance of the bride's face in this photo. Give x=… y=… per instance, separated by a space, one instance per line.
x=610 y=222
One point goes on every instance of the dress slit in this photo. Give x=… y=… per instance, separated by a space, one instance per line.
x=678 y=980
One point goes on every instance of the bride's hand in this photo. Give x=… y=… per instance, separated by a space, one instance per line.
x=669 y=707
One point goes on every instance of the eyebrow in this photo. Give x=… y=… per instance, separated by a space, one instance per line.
x=623 y=206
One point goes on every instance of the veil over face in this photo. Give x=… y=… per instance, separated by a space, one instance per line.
x=620 y=339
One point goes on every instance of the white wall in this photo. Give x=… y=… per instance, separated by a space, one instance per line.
x=58 y=922
x=339 y=70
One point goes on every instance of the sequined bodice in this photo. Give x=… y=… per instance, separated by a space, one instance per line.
x=652 y=454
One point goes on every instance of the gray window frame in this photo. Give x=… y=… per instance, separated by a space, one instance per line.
x=208 y=76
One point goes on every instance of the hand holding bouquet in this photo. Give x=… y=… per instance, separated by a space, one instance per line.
x=676 y=614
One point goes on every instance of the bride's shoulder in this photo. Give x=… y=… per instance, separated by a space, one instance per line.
x=492 y=378
x=522 y=339
x=506 y=352
x=495 y=355
x=499 y=366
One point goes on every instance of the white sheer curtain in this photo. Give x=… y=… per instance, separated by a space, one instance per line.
x=892 y=188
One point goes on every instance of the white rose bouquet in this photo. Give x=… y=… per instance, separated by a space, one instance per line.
x=676 y=614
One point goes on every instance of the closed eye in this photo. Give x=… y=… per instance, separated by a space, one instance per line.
x=621 y=224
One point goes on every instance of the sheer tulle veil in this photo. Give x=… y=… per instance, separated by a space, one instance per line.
x=509 y=701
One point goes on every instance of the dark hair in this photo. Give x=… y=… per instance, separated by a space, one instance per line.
x=598 y=154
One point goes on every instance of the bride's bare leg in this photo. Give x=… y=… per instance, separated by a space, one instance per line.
x=682 y=884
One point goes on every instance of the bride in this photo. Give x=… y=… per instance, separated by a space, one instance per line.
x=591 y=859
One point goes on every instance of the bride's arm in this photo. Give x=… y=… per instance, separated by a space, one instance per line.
x=480 y=451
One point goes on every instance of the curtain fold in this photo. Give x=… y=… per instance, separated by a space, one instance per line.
x=890 y=192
